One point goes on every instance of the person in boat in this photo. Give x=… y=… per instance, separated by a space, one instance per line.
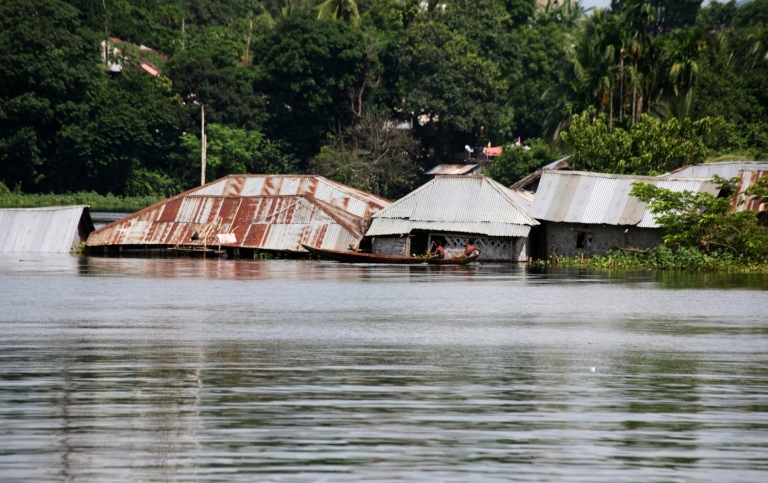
x=469 y=250
x=436 y=250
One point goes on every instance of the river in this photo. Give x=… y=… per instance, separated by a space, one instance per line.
x=276 y=370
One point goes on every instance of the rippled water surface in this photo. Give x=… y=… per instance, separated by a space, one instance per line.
x=222 y=370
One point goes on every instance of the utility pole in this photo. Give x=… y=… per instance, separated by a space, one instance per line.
x=204 y=143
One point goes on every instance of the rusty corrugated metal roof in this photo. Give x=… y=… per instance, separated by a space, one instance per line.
x=748 y=178
x=56 y=229
x=345 y=197
x=262 y=211
x=462 y=204
x=444 y=169
x=598 y=198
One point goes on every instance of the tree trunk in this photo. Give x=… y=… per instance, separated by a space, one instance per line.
x=250 y=32
x=610 y=112
x=621 y=85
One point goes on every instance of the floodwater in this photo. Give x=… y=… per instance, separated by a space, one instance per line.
x=277 y=370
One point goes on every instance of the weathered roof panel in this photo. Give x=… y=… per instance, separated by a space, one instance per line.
x=599 y=198
x=726 y=169
x=743 y=202
x=43 y=230
x=467 y=204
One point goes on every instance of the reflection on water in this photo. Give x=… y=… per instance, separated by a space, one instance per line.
x=158 y=370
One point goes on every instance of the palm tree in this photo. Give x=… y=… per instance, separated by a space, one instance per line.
x=683 y=52
x=755 y=47
x=339 y=10
x=679 y=107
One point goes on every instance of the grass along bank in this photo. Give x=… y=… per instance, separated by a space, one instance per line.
x=664 y=258
x=97 y=202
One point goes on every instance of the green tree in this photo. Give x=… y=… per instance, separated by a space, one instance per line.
x=308 y=69
x=650 y=147
x=133 y=125
x=373 y=155
x=706 y=222
x=339 y=10
x=515 y=163
x=236 y=151
x=667 y=14
x=49 y=74
x=208 y=72
x=448 y=89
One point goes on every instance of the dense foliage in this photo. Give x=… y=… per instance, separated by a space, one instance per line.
x=708 y=223
x=291 y=85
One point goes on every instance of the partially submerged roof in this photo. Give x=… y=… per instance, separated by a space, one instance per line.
x=261 y=211
x=57 y=229
x=456 y=204
x=598 y=198
x=726 y=169
x=446 y=169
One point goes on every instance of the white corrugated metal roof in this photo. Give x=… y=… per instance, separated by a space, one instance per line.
x=598 y=198
x=726 y=169
x=40 y=230
x=466 y=204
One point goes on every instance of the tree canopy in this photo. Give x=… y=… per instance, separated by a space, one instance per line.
x=108 y=96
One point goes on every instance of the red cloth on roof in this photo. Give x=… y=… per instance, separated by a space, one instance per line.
x=493 y=151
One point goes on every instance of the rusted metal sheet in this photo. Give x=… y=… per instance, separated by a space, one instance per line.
x=463 y=204
x=271 y=222
x=57 y=229
x=599 y=198
x=748 y=178
x=353 y=200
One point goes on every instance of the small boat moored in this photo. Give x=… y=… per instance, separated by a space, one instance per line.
x=359 y=257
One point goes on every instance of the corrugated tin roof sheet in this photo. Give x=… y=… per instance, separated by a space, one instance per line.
x=748 y=178
x=263 y=211
x=42 y=230
x=726 y=169
x=464 y=204
x=444 y=169
x=345 y=197
x=597 y=198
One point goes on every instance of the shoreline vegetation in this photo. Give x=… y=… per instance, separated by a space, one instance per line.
x=97 y=202
x=662 y=258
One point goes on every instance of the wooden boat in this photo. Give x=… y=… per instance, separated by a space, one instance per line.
x=452 y=261
x=360 y=257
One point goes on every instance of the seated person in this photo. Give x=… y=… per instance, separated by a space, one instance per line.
x=436 y=250
x=469 y=250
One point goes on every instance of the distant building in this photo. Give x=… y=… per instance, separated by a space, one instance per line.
x=56 y=229
x=591 y=213
x=454 y=210
x=246 y=213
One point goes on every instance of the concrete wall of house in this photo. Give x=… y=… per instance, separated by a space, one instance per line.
x=597 y=239
x=390 y=245
x=502 y=249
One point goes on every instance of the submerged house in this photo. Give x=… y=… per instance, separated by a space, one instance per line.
x=591 y=213
x=454 y=210
x=56 y=229
x=248 y=212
